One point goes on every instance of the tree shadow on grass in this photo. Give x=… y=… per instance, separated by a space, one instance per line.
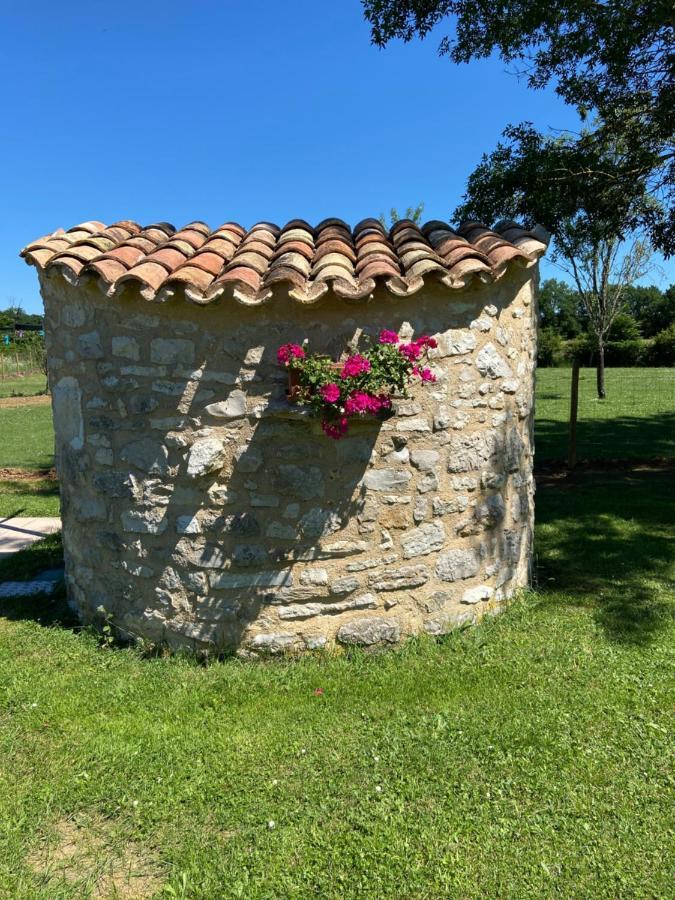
x=606 y=541
x=621 y=437
x=26 y=565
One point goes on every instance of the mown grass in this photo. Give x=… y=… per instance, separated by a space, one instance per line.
x=528 y=757
x=29 y=497
x=635 y=421
x=27 y=437
x=26 y=386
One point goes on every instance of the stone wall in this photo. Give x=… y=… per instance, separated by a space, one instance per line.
x=200 y=509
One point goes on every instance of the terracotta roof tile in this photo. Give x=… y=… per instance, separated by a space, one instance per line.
x=252 y=265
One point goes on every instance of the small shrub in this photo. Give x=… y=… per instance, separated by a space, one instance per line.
x=551 y=348
x=662 y=349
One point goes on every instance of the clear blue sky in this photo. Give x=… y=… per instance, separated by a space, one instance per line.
x=227 y=109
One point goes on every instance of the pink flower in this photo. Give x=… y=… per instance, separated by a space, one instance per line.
x=336 y=428
x=289 y=352
x=355 y=365
x=426 y=341
x=358 y=402
x=427 y=375
x=388 y=337
x=330 y=392
x=411 y=351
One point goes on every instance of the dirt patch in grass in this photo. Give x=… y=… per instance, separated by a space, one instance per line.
x=35 y=400
x=87 y=853
x=11 y=474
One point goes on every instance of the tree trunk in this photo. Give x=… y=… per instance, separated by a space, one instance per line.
x=574 y=410
x=600 y=371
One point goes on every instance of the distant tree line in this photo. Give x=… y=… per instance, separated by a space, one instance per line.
x=642 y=333
x=14 y=317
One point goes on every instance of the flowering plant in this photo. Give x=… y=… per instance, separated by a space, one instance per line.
x=359 y=385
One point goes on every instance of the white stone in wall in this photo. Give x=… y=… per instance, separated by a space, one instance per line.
x=476 y=594
x=442 y=507
x=386 y=479
x=227 y=581
x=368 y=631
x=281 y=532
x=510 y=386
x=127 y=347
x=413 y=425
x=423 y=540
x=188 y=525
x=399 y=579
x=74 y=315
x=489 y=362
x=454 y=342
x=89 y=345
x=481 y=324
x=148 y=455
x=232 y=408
x=457 y=564
x=145 y=521
x=314 y=577
x=67 y=404
x=424 y=460
x=318 y=522
x=206 y=455
x=172 y=350
x=307 y=610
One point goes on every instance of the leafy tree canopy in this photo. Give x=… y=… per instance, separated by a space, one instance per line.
x=652 y=308
x=560 y=308
x=614 y=61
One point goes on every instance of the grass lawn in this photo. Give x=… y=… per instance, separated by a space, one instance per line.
x=28 y=386
x=636 y=421
x=29 y=497
x=27 y=436
x=528 y=757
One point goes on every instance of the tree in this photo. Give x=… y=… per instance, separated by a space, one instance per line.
x=414 y=213
x=613 y=61
x=594 y=246
x=653 y=308
x=625 y=327
x=560 y=308
x=602 y=269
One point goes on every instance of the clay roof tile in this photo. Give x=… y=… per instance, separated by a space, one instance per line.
x=248 y=263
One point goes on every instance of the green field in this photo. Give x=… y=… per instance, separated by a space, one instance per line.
x=636 y=421
x=27 y=437
x=28 y=386
x=528 y=757
x=38 y=497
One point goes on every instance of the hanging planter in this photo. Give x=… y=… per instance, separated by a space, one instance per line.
x=361 y=385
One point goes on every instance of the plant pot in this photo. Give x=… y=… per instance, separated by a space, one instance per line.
x=293 y=389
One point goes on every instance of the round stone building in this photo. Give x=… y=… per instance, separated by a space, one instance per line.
x=201 y=509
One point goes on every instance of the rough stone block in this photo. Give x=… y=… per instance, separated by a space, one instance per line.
x=399 y=579
x=368 y=631
x=457 y=564
x=126 y=347
x=424 y=539
x=170 y=351
x=147 y=454
x=386 y=479
x=206 y=455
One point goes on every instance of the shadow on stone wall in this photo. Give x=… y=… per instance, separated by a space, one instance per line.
x=214 y=541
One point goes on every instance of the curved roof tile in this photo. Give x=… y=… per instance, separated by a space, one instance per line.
x=309 y=261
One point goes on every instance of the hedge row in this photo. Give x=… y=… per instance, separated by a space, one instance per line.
x=657 y=351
